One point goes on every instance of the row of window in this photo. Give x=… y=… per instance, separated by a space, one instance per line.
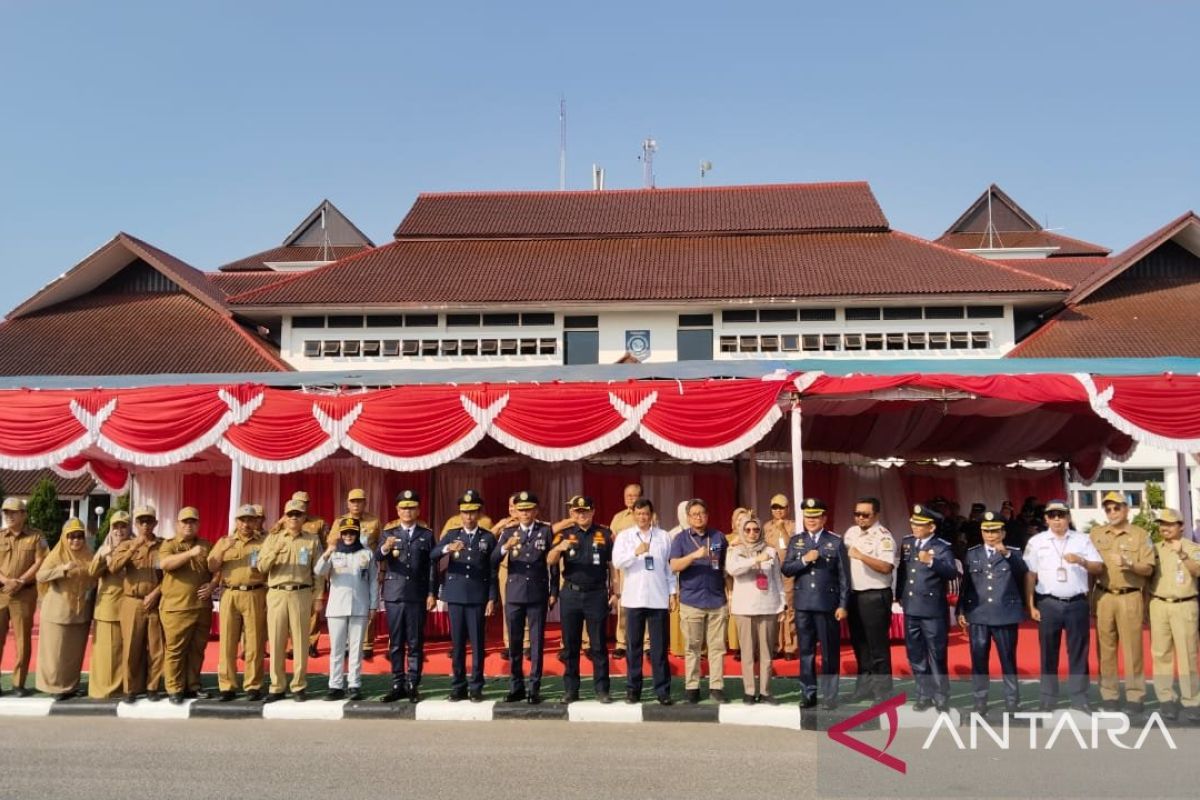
x=1090 y=498
x=395 y=348
x=837 y=342
x=860 y=313
x=1131 y=475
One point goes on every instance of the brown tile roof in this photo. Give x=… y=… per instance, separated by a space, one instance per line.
x=1067 y=246
x=1134 y=253
x=22 y=483
x=258 y=261
x=1142 y=318
x=631 y=212
x=131 y=334
x=1070 y=270
x=231 y=283
x=656 y=268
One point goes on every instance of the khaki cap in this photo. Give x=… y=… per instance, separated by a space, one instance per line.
x=1168 y=515
x=13 y=504
x=295 y=505
x=145 y=511
x=357 y=494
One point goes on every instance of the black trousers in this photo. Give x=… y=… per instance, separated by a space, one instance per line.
x=813 y=628
x=981 y=638
x=870 y=620
x=516 y=615
x=1059 y=616
x=658 y=622
x=406 y=636
x=925 y=639
x=576 y=608
x=466 y=625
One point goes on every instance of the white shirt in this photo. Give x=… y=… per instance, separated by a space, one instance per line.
x=876 y=542
x=1045 y=553
x=353 y=589
x=645 y=588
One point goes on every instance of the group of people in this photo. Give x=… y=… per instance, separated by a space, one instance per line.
x=148 y=601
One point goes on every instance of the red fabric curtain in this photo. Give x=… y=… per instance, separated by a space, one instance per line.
x=923 y=488
x=396 y=482
x=1048 y=486
x=821 y=482
x=717 y=486
x=209 y=494
x=606 y=486
x=498 y=485
x=322 y=501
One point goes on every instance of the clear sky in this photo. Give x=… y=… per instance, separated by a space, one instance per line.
x=210 y=129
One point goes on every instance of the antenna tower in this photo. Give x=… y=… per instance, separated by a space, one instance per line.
x=562 y=143
x=649 y=148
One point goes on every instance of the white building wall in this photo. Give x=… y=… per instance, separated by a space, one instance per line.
x=1085 y=500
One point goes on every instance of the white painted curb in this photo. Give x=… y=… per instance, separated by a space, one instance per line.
x=782 y=716
x=461 y=711
x=592 y=711
x=161 y=709
x=309 y=709
x=25 y=706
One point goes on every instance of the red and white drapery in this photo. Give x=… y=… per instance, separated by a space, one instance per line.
x=994 y=419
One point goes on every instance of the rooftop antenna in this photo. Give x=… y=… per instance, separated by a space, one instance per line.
x=562 y=143
x=705 y=168
x=649 y=148
x=990 y=232
x=326 y=247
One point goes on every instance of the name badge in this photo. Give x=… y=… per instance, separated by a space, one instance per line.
x=649 y=563
x=595 y=559
x=253 y=559
x=1180 y=575
x=1060 y=574
x=303 y=558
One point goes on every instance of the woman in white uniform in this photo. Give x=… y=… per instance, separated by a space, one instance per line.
x=353 y=593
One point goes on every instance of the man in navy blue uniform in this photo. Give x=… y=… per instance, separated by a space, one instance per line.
x=990 y=607
x=926 y=564
x=821 y=591
x=409 y=592
x=583 y=552
x=532 y=587
x=470 y=593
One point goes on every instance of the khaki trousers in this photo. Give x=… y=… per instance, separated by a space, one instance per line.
x=104 y=671
x=185 y=633
x=18 y=611
x=757 y=636
x=1173 y=631
x=243 y=620
x=786 y=629
x=1119 y=622
x=287 y=614
x=141 y=648
x=704 y=626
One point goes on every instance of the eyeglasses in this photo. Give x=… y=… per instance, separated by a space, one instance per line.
x=862 y=514
x=1112 y=507
x=1055 y=514
x=73 y=537
x=779 y=508
x=752 y=530
x=294 y=514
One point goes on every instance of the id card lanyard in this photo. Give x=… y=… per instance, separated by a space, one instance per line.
x=649 y=559
x=1061 y=573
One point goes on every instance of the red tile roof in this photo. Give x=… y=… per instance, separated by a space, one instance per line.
x=656 y=268
x=1134 y=253
x=22 y=482
x=231 y=283
x=1069 y=269
x=630 y=212
x=1067 y=246
x=292 y=253
x=1142 y=318
x=131 y=334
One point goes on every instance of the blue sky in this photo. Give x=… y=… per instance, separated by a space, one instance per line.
x=210 y=129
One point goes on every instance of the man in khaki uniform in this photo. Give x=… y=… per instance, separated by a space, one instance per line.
x=369 y=527
x=622 y=520
x=1174 y=617
x=1128 y=556
x=315 y=526
x=186 y=607
x=22 y=551
x=288 y=559
x=234 y=560
x=137 y=561
x=777 y=532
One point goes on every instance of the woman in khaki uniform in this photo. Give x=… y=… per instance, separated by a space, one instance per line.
x=66 y=589
x=104 y=672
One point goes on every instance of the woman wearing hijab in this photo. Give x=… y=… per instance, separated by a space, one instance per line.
x=740 y=515
x=353 y=593
x=755 y=605
x=67 y=592
x=676 y=630
x=104 y=671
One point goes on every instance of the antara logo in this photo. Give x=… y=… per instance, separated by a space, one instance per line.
x=839 y=732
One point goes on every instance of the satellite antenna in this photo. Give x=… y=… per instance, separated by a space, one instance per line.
x=562 y=143
x=649 y=148
x=705 y=168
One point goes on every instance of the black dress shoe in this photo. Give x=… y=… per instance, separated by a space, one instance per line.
x=535 y=697
x=692 y=696
x=1135 y=708
x=25 y=691
x=203 y=694
x=1170 y=712
x=457 y=697
x=716 y=695
x=789 y=656
x=274 y=697
x=153 y=697
x=922 y=704
x=254 y=695
x=335 y=694
x=1107 y=705
x=943 y=708
x=1046 y=706
x=561 y=656
x=1012 y=708
x=130 y=698
x=570 y=697
x=65 y=696
x=312 y=651
x=226 y=697
x=299 y=696
x=769 y=699
x=604 y=697
x=187 y=695
x=527 y=653
x=830 y=704
x=619 y=652
x=861 y=695
x=515 y=696
x=396 y=693
x=504 y=655
x=1193 y=716
x=355 y=695
x=665 y=700
x=808 y=702
x=1086 y=708
x=981 y=709
x=368 y=653
x=477 y=696
x=288 y=654
x=749 y=699
x=632 y=697
x=175 y=699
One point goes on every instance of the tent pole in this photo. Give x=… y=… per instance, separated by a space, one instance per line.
x=1185 y=494
x=235 y=493
x=797 y=457
x=750 y=499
